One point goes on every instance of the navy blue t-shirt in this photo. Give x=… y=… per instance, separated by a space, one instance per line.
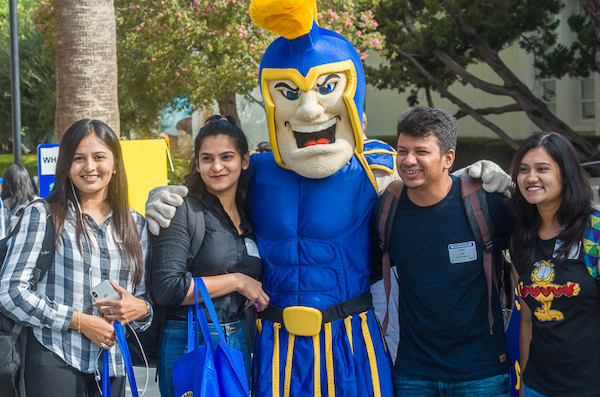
x=443 y=304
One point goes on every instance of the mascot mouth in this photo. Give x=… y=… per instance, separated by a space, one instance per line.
x=315 y=134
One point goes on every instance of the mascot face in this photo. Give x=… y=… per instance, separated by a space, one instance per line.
x=313 y=128
x=313 y=121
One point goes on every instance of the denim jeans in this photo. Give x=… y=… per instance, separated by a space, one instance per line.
x=527 y=392
x=174 y=345
x=495 y=386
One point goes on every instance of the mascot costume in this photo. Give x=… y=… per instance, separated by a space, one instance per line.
x=310 y=203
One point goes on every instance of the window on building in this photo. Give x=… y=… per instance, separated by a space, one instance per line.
x=549 y=94
x=587 y=99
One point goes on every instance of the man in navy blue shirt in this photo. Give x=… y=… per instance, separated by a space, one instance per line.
x=446 y=347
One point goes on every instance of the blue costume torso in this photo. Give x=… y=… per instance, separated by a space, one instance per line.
x=314 y=240
x=313 y=234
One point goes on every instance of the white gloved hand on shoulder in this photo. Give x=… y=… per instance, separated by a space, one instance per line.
x=161 y=205
x=492 y=175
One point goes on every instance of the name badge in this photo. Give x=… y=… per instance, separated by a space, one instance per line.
x=251 y=248
x=462 y=252
x=573 y=254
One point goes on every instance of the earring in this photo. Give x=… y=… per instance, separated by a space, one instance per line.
x=114 y=172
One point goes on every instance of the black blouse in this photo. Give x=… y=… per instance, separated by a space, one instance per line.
x=223 y=251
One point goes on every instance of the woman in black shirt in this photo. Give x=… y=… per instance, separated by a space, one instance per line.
x=560 y=315
x=228 y=260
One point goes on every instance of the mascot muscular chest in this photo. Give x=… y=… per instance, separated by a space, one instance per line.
x=313 y=233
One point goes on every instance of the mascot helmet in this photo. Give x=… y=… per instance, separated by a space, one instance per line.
x=303 y=53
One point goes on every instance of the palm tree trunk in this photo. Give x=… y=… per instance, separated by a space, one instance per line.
x=86 y=63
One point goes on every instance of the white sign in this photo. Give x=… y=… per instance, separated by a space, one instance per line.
x=48 y=157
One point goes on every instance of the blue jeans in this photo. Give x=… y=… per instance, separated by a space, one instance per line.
x=527 y=392
x=495 y=386
x=174 y=345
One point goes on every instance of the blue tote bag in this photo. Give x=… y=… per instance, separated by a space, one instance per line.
x=122 y=342
x=210 y=370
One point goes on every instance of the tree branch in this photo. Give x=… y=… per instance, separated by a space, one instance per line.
x=515 y=107
x=261 y=103
x=446 y=94
x=468 y=77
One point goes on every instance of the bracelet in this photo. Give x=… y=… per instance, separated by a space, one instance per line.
x=78 y=322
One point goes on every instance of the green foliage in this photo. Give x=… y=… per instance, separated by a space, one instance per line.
x=181 y=165
x=29 y=162
x=500 y=23
x=576 y=60
x=199 y=50
x=37 y=83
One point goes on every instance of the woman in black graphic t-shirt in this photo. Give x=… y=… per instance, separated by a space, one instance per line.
x=560 y=315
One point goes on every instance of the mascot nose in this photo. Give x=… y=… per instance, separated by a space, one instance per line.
x=309 y=108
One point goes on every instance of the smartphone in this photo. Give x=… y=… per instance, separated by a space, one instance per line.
x=104 y=292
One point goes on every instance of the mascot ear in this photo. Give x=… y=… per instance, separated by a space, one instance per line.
x=288 y=18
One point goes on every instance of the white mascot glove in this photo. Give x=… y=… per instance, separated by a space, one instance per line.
x=161 y=205
x=492 y=175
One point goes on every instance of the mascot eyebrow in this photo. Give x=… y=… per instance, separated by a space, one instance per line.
x=331 y=76
x=284 y=85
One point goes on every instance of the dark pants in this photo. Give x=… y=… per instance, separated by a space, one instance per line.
x=47 y=375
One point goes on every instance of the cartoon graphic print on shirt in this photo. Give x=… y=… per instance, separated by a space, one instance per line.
x=544 y=291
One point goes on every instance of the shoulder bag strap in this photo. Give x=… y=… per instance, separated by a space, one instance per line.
x=196 y=224
x=393 y=193
x=469 y=188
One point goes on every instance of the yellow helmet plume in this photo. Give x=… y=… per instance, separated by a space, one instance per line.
x=288 y=18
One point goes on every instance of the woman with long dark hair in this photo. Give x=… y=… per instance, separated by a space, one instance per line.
x=97 y=238
x=560 y=314
x=17 y=193
x=228 y=259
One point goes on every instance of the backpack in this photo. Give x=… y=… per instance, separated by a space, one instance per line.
x=591 y=245
x=478 y=216
x=151 y=338
x=13 y=337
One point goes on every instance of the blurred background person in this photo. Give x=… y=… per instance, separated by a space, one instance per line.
x=263 y=147
x=17 y=193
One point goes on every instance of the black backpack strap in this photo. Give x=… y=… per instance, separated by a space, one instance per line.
x=391 y=200
x=196 y=224
x=478 y=215
x=46 y=254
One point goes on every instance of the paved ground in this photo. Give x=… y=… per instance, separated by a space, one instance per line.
x=140 y=378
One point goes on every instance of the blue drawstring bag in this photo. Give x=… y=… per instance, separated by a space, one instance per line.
x=122 y=342
x=208 y=370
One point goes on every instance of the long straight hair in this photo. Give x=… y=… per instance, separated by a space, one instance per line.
x=576 y=200
x=218 y=125
x=124 y=227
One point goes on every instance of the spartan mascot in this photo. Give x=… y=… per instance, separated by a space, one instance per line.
x=310 y=203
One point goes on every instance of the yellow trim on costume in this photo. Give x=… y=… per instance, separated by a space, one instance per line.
x=382 y=151
x=288 y=366
x=365 y=164
x=348 y=323
x=275 y=370
x=371 y=354
x=259 y=325
x=329 y=361
x=382 y=167
x=306 y=84
x=317 y=347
